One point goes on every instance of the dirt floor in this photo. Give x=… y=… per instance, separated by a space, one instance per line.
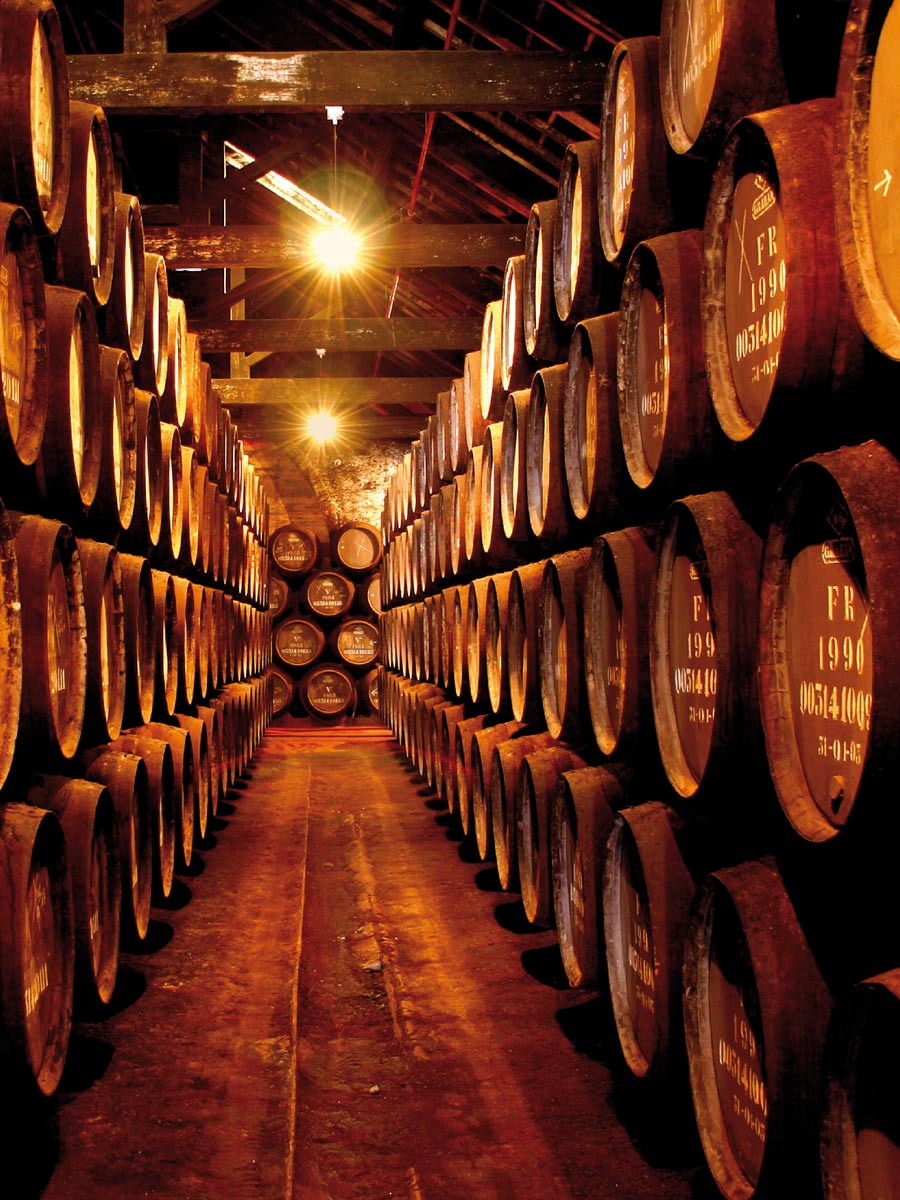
x=339 y=1003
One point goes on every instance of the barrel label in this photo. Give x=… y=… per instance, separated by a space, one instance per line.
x=297 y=643
x=40 y=981
x=329 y=693
x=639 y=965
x=292 y=551
x=829 y=649
x=693 y=660
x=694 y=59
x=755 y=291
x=327 y=595
x=652 y=377
x=736 y=1044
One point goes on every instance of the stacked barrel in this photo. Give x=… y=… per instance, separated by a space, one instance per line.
x=325 y=635
x=637 y=570
x=134 y=632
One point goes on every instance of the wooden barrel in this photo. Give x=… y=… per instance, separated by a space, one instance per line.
x=173 y=396
x=327 y=691
x=473 y=422
x=781 y=343
x=122 y=318
x=328 y=594
x=523 y=612
x=465 y=734
x=24 y=378
x=104 y=606
x=193 y=500
x=491 y=390
x=156 y=756
x=496 y=547
x=473 y=549
x=198 y=746
x=298 y=642
x=140 y=645
x=828 y=661
x=195 y=409
x=53 y=636
x=665 y=414
x=476 y=641
x=545 y=336
x=152 y=364
x=356 y=642
x=10 y=645
x=113 y=508
x=279 y=596
x=865 y=162
x=294 y=550
x=369 y=595
x=72 y=445
x=580 y=272
x=549 y=511
x=459 y=624
x=126 y=778
x=539 y=777
x=482 y=762
x=648 y=887
x=186 y=783
x=88 y=818
x=860 y=1139
x=87 y=235
x=636 y=194
x=505 y=769
x=165 y=616
x=282 y=691
x=560 y=639
x=715 y=66
x=186 y=636
x=703 y=646
x=582 y=811
x=358 y=548
x=619 y=585
x=37 y=962
x=513 y=490
x=146 y=522
x=35 y=133
x=516 y=366
x=755 y=1015
x=599 y=486
x=496 y=618
x=369 y=691
x=171 y=523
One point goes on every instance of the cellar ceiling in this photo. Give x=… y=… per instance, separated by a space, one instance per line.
x=408 y=171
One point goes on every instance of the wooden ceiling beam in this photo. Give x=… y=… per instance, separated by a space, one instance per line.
x=361 y=81
x=406 y=245
x=341 y=334
x=336 y=393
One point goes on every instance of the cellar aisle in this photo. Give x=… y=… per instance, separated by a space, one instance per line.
x=434 y=1051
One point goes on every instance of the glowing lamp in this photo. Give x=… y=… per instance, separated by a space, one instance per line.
x=336 y=248
x=321 y=426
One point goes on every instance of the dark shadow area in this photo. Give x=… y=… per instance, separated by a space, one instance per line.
x=209 y=842
x=225 y=810
x=130 y=984
x=511 y=916
x=467 y=850
x=436 y=804
x=427 y=790
x=488 y=880
x=177 y=898
x=87 y=1058
x=449 y=822
x=659 y=1119
x=216 y=824
x=159 y=934
x=29 y=1148
x=544 y=964
x=196 y=866
x=590 y=1028
x=239 y=785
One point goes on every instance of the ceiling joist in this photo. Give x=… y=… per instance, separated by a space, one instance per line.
x=341 y=334
x=331 y=392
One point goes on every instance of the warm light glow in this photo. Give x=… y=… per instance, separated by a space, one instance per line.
x=321 y=426
x=284 y=188
x=336 y=248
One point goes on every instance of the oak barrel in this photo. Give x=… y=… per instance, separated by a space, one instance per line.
x=482 y=757
x=505 y=769
x=327 y=691
x=24 y=369
x=152 y=364
x=560 y=643
x=87 y=235
x=538 y=779
x=549 y=511
x=10 y=645
x=123 y=316
x=104 y=606
x=580 y=272
x=294 y=550
x=113 y=508
x=140 y=652
x=545 y=336
x=163 y=799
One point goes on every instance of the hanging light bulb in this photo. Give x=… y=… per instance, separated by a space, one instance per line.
x=336 y=248
x=321 y=426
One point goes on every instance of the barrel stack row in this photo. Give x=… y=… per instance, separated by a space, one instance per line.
x=325 y=636
x=637 y=631
x=134 y=632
